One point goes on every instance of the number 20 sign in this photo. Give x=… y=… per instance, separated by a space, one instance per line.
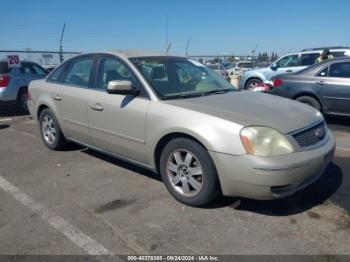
x=13 y=61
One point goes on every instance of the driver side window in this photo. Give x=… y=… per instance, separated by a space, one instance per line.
x=288 y=61
x=111 y=69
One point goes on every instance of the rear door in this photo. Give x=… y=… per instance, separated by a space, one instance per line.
x=70 y=94
x=334 y=84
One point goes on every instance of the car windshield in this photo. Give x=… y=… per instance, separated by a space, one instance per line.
x=177 y=77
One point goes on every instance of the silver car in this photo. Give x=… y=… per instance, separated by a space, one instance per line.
x=175 y=117
x=14 y=82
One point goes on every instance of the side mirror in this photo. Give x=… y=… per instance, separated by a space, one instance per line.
x=121 y=87
x=274 y=66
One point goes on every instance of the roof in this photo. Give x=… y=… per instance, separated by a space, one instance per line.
x=136 y=53
x=322 y=48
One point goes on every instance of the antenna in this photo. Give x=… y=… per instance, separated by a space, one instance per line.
x=61 y=49
x=167 y=49
x=188 y=43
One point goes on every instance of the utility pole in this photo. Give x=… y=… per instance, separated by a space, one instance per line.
x=61 y=49
x=188 y=43
x=253 y=52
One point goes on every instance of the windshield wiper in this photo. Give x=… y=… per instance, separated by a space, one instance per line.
x=218 y=91
x=182 y=96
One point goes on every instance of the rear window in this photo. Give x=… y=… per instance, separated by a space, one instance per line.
x=338 y=54
x=4 y=68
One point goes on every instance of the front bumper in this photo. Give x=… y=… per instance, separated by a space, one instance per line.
x=272 y=177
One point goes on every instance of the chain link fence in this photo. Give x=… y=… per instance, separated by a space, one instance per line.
x=17 y=69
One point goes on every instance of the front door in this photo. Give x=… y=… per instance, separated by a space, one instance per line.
x=118 y=122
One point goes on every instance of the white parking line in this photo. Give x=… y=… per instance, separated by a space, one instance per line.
x=83 y=241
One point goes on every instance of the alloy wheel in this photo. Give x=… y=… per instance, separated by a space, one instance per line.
x=48 y=129
x=185 y=172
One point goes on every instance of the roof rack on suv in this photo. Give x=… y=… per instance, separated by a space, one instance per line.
x=321 y=48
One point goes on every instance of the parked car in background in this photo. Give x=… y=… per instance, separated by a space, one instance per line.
x=49 y=68
x=176 y=117
x=219 y=68
x=325 y=86
x=14 y=82
x=238 y=68
x=288 y=64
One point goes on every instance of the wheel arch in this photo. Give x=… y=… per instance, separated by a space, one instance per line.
x=310 y=94
x=165 y=140
x=251 y=78
x=20 y=89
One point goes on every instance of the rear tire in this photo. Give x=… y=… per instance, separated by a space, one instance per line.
x=252 y=83
x=309 y=101
x=188 y=172
x=50 y=131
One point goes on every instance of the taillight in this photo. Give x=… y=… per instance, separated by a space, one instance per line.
x=4 y=80
x=277 y=82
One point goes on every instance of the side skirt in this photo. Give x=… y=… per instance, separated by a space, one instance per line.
x=130 y=161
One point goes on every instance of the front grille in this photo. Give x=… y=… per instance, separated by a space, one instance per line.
x=311 y=136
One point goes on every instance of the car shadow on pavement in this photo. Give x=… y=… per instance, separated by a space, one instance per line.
x=317 y=193
x=314 y=195
x=123 y=164
x=4 y=126
x=338 y=120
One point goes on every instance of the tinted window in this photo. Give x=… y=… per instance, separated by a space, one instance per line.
x=27 y=68
x=309 y=59
x=338 y=54
x=55 y=76
x=288 y=61
x=340 y=70
x=79 y=72
x=39 y=70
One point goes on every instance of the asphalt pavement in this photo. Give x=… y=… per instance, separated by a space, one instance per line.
x=82 y=202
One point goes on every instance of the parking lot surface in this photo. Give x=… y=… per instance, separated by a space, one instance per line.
x=82 y=202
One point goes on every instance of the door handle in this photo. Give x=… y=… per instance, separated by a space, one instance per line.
x=97 y=107
x=57 y=98
x=289 y=71
x=320 y=83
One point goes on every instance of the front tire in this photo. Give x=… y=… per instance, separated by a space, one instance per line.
x=188 y=172
x=310 y=101
x=50 y=131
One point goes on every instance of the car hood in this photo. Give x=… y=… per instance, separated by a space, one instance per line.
x=251 y=108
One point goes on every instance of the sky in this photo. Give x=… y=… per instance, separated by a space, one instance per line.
x=217 y=27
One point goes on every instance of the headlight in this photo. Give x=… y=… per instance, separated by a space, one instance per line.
x=265 y=141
